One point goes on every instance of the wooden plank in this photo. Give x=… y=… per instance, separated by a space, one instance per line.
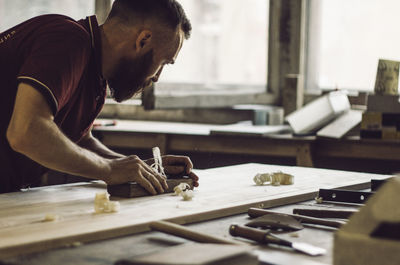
x=223 y=191
x=250 y=130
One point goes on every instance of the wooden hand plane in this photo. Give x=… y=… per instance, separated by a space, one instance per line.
x=133 y=189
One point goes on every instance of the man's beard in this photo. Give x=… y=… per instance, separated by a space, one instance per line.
x=130 y=77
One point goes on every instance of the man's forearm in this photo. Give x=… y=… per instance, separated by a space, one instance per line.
x=94 y=145
x=48 y=146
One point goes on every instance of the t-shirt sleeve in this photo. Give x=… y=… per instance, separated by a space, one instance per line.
x=55 y=62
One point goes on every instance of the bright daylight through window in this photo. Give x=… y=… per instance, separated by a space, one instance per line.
x=15 y=12
x=228 y=44
x=346 y=40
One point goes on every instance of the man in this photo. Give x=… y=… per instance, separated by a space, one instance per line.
x=53 y=73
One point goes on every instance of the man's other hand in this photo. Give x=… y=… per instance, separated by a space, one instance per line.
x=132 y=168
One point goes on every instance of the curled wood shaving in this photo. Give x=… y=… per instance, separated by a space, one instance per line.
x=275 y=179
x=102 y=203
x=187 y=195
x=319 y=200
x=183 y=189
x=157 y=165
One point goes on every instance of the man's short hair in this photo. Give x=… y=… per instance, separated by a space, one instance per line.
x=169 y=12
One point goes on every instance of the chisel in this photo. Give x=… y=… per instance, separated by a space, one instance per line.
x=323 y=213
x=256 y=212
x=266 y=237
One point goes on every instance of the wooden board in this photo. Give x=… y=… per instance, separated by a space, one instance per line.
x=133 y=190
x=217 y=254
x=239 y=129
x=222 y=192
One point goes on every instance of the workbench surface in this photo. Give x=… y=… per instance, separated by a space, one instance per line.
x=225 y=191
x=111 y=250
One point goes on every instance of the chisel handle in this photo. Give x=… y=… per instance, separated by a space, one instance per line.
x=181 y=231
x=256 y=212
x=322 y=213
x=257 y=235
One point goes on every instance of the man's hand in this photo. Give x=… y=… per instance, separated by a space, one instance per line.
x=177 y=166
x=132 y=168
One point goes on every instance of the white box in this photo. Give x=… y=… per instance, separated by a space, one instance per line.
x=318 y=113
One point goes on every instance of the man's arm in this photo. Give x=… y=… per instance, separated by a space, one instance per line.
x=91 y=143
x=32 y=132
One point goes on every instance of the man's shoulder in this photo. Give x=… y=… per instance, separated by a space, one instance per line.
x=59 y=25
x=63 y=23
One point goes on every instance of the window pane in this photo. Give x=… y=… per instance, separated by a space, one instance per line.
x=347 y=38
x=228 y=43
x=15 y=12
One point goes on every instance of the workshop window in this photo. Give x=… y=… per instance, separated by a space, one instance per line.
x=346 y=40
x=15 y=12
x=228 y=44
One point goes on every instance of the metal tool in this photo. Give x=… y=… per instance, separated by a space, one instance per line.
x=377 y=183
x=181 y=231
x=266 y=237
x=276 y=222
x=323 y=213
x=256 y=212
x=346 y=196
x=351 y=196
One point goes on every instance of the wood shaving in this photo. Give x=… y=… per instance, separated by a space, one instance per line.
x=275 y=179
x=187 y=195
x=74 y=244
x=157 y=165
x=102 y=203
x=294 y=234
x=319 y=200
x=51 y=217
x=183 y=189
x=260 y=179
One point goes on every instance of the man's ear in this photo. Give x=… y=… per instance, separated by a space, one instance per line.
x=143 y=40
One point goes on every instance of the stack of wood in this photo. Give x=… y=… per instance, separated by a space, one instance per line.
x=382 y=118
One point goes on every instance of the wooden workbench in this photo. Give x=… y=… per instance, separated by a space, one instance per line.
x=190 y=137
x=223 y=192
x=196 y=138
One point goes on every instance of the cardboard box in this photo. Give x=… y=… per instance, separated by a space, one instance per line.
x=318 y=113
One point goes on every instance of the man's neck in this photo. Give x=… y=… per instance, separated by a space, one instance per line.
x=106 y=52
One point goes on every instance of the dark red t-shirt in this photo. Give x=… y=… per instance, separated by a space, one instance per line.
x=61 y=58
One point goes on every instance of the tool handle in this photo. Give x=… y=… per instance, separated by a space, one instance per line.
x=318 y=221
x=256 y=212
x=257 y=235
x=181 y=231
x=322 y=213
